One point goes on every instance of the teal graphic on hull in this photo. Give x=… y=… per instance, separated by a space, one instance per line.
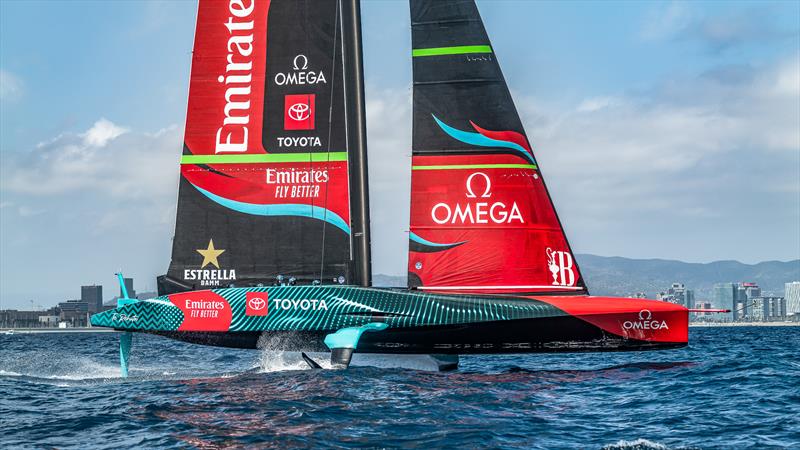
x=316 y=308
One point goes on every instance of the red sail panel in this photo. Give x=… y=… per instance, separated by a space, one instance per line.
x=485 y=223
x=226 y=90
x=227 y=101
x=278 y=184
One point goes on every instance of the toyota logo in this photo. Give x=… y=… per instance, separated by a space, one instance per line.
x=299 y=112
x=257 y=303
x=645 y=314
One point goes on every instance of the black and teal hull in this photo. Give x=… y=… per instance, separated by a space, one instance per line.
x=298 y=318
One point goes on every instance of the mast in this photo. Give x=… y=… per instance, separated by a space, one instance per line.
x=356 y=125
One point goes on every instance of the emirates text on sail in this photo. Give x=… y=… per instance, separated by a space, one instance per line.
x=294 y=183
x=232 y=135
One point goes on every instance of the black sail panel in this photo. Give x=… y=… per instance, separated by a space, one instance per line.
x=264 y=188
x=456 y=75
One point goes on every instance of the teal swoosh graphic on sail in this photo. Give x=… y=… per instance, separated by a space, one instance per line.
x=426 y=246
x=481 y=140
x=289 y=209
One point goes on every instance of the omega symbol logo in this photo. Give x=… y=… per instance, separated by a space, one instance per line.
x=299 y=112
x=487 y=189
x=645 y=322
x=301 y=58
x=476 y=210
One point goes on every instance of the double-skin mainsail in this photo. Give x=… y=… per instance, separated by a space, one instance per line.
x=273 y=172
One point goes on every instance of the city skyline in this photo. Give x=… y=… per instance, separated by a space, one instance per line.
x=653 y=155
x=744 y=300
x=678 y=292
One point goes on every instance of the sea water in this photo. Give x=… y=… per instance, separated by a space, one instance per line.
x=735 y=387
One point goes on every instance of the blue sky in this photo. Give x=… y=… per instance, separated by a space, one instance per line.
x=664 y=129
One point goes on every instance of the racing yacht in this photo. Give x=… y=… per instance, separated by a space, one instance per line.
x=272 y=236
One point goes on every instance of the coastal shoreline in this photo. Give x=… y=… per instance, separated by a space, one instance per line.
x=55 y=330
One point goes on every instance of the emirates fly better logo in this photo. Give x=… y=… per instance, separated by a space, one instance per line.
x=256 y=304
x=299 y=114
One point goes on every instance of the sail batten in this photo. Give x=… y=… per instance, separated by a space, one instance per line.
x=455 y=50
x=264 y=158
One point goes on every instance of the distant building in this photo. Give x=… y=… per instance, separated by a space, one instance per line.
x=12 y=318
x=74 y=306
x=767 y=308
x=751 y=289
x=759 y=310
x=74 y=312
x=725 y=295
x=129 y=287
x=777 y=307
x=746 y=292
x=702 y=304
x=146 y=295
x=689 y=296
x=678 y=294
x=48 y=321
x=740 y=303
x=74 y=318
x=792 y=296
x=93 y=296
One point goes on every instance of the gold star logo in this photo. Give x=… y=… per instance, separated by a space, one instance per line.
x=210 y=254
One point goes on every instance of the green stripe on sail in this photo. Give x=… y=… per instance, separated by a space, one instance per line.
x=264 y=158
x=476 y=166
x=460 y=50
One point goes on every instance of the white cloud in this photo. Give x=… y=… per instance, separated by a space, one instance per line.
x=717 y=32
x=27 y=211
x=102 y=132
x=106 y=159
x=666 y=20
x=11 y=86
x=688 y=148
x=711 y=153
x=786 y=78
x=597 y=103
x=692 y=152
